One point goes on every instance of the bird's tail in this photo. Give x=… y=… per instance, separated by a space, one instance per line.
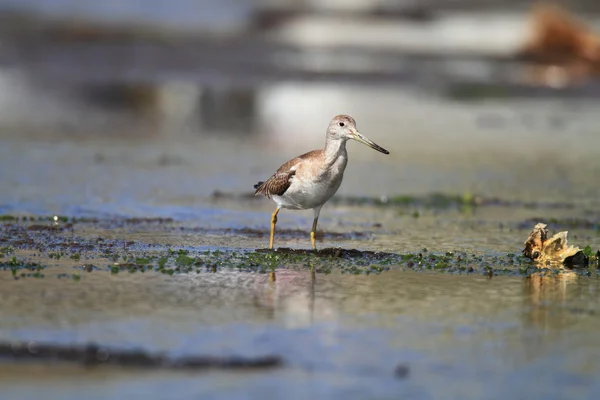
x=258 y=188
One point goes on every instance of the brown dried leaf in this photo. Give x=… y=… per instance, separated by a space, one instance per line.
x=555 y=250
x=535 y=241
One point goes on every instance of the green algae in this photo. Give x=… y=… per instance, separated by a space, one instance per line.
x=116 y=256
x=346 y=261
x=6 y=250
x=22 y=268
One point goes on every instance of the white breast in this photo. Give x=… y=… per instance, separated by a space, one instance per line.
x=309 y=193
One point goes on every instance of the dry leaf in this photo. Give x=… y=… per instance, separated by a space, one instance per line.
x=554 y=250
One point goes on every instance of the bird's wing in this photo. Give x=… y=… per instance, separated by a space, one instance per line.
x=277 y=184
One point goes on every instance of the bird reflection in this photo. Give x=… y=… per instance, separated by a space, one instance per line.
x=288 y=293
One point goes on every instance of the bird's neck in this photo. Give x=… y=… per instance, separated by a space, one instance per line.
x=334 y=149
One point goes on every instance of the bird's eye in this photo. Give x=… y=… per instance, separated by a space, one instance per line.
x=535 y=254
x=341 y=124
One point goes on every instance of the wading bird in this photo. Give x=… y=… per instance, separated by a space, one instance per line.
x=310 y=180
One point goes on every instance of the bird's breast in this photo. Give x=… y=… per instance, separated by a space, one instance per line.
x=338 y=167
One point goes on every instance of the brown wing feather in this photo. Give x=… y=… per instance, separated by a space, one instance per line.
x=277 y=184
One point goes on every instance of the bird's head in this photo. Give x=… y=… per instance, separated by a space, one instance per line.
x=343 y=127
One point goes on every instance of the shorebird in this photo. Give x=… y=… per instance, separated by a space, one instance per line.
x=311 y=179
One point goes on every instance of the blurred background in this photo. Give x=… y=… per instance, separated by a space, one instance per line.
x=174 y=109
x=130 y=107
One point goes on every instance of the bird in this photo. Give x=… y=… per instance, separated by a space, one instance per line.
x=311 y=179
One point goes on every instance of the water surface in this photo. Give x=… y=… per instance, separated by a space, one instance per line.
x=342 y=336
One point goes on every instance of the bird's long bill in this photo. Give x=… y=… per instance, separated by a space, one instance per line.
x=360 y=138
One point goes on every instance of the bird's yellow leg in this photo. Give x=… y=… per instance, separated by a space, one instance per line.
x=313 y=233
x=273 y=222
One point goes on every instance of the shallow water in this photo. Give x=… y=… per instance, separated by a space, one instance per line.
x=342 y=335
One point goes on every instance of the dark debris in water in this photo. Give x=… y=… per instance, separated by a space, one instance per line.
x=62 y=224
x=56 y=220
x=53 y=241
x=262 y=233
x=334 y=252
x=402 y=371
x=93 y=355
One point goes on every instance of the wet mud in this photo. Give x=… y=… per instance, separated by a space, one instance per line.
x=29 y=249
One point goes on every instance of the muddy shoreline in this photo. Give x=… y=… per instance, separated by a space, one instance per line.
x=31 y=246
